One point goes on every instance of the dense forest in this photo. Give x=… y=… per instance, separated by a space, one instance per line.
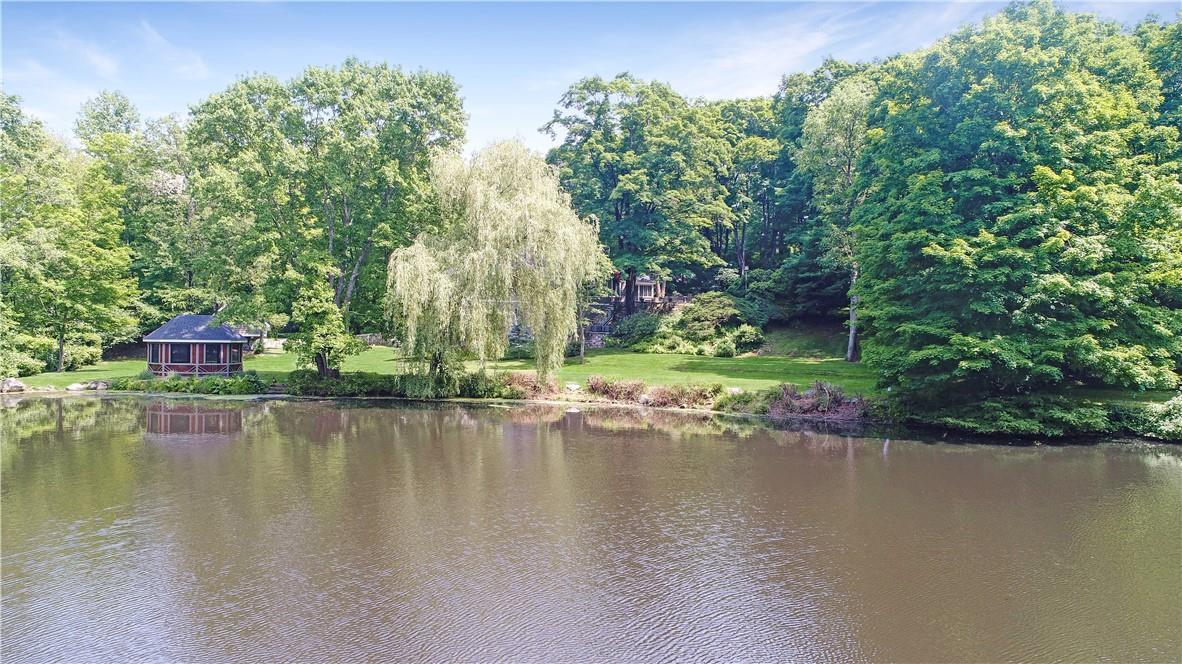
x=997 y=219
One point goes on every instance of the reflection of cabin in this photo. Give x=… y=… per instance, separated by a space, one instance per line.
x=648 y=288
x=191 y=345
x=173 y=418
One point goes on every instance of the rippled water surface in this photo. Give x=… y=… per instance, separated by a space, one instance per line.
x=209 y=531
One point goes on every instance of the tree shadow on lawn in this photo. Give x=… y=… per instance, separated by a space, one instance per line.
x=781 y=369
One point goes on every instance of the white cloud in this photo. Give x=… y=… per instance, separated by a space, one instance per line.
x=750 y=57
x=185 y=63
x=103 y=63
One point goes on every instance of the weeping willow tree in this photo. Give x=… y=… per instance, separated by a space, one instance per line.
x=509 y=249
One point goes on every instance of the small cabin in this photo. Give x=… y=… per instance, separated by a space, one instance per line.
x=191 y=345
x=648 y=288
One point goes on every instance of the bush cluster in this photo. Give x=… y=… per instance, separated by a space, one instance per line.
x=476 y=385
x=712 y=323
x=660 y=396
x=785 y=401
x=1156 y=420
x=681 y=396
x=616 y=390
x=244 y=383
x=29 y=354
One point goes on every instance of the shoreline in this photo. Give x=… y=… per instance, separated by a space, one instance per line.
x=842 y=426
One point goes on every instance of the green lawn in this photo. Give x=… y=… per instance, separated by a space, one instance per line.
x=270 y=365
x=805 y=340
x=754 y=372
x=750 y=373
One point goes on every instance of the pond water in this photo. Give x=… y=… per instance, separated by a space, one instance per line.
x=244 y=530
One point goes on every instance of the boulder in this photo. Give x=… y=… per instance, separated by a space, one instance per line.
x=11 y=385
x=573 y=387
x=98 y=385
x=75 y=387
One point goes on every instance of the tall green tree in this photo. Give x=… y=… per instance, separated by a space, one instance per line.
x=750 y=177
x=830 y=150
x=790 y=249
x=109 y=112
x=1162 y=43
x=175 y=253
x=645 y=163
x=1022 y=233
x=510 y=250
x=326 y=174
x=63 y=270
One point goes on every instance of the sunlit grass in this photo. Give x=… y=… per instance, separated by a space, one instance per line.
x=752 y=372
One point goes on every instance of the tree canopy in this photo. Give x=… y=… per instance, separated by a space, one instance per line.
x=1023 y=230
x=997 y=217
x=510 y=251
x=322 y=176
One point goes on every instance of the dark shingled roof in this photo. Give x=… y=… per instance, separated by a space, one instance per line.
x=193 y=327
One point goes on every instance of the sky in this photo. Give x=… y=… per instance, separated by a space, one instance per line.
x=512 y=61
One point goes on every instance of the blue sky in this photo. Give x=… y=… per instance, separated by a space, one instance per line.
x=512 y=61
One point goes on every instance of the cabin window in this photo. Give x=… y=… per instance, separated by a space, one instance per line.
x=153 y=353
x=180 y=354
x=235 y=352
x=213 y=353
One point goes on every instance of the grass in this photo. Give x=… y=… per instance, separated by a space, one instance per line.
x=805 y=340
x=751 y=372
x=798 y=354
x=270 y=365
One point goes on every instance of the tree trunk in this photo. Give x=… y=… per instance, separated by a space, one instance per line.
x=581 y=312
x=323 y=368
x=851 y=350
x=630 y=294
x=61 y=348
x=741 y=253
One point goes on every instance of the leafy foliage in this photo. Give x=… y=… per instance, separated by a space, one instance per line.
x=244 y=383
x=321 y=175
x=712 y=323
x=510 y=250
x=1024 y=228
x=63 y=271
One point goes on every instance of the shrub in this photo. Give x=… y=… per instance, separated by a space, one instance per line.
x=724 y=348
x=748 y=402
x=785 y=401
x=616 y=390
x=522 y=351
x=701 y=319
x=597 y=385
x=754 y=311
x=19 y=362
x=481 y=385
x=1028 y=414
x=525 y=385
x=1164 y=420
x=747 y=337
x=635 y=329
x=681 y=396
x=244 y=383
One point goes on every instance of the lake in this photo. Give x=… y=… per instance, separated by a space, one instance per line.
x=206 y=530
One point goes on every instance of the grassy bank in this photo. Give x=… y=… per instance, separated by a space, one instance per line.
x=749 y=373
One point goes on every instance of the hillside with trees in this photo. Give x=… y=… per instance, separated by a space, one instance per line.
x=995 y=221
